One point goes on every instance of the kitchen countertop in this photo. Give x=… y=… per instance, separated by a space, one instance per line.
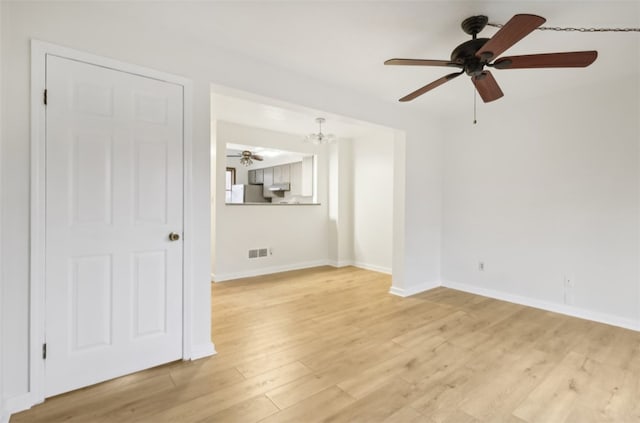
x=273 y=204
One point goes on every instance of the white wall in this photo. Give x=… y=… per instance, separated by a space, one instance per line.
x=544 y=190
x=296 y=234
x=89 y=26
x=341 y=203
x=354 y=225
x=373 y=200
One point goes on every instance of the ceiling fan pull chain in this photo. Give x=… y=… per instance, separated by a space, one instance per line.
x=474 y=106
x=573 y=29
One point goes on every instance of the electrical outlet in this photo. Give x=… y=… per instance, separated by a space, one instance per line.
x=481 y=266
x=270 y=251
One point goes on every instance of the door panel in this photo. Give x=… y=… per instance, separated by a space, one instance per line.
x=151 y=196
x=150 y=281
x=90 y=301
x=91 y=178
x=114 y=193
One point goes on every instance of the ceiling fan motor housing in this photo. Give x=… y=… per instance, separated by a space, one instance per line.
x=465 y=56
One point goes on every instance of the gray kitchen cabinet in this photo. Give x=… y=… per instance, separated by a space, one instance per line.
x=282 y=174
x=256 y=176
x=267 y=180
x=306 y=188
x=296 y=179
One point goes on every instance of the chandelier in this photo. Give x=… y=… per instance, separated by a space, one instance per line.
x=320 y=138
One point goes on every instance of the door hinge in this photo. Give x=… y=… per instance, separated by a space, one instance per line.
x=45 y=97
x=44 y=351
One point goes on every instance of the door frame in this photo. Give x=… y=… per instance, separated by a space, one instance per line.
x=37 y=282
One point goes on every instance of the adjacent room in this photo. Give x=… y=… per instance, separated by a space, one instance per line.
x=383 y=211
x=333 y=207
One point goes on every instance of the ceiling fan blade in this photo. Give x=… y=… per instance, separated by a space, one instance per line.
x=430 y=86
x=421 y=62
x=257 y=157
x=487 y=86
x=513 y=31
x=574 y=59
x=234 y=155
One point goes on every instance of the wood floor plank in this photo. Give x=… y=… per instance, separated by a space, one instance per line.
x=330 y=344
x=315 y=408
x=378 y=405
x=213 y=402
x=555 y=398
x=250 y=411
x=352 y=364
x=405 y=415
x=518 y=376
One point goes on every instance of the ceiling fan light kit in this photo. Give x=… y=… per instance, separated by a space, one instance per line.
x=245 y=160
x=472 y=56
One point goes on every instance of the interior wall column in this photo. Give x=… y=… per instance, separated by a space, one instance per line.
x=341 y=203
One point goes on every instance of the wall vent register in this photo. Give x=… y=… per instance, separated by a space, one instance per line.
x=258 y=252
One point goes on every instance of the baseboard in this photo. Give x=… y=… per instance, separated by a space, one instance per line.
x=413 y=290
x=267 y=270
x=372 y=267
x=17 y=404
x=339 y=264
x=24 y=402
x=568 y=310
x=203 y=350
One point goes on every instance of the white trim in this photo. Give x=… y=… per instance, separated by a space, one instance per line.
x=267 y=270
x=4 y=416
x=581 y=313
x=187 y=219
x=39 y=50
x=372 y=267
x=416 y=289
x=17 y=404
x=37 y=304
x=203 y=350
x=339 y=264
x=297 y=266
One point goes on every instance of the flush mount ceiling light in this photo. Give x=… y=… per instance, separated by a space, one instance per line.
x=320 y=138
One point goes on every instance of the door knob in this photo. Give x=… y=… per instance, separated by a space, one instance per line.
x=174 y=236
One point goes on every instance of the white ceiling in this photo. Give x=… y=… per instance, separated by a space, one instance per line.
x=258 y=112
x=345 y=43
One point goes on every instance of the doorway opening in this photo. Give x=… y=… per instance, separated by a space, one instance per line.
x=336 y=207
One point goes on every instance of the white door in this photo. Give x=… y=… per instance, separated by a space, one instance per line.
x=114 y=187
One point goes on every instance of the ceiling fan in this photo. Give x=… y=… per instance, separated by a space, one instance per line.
x=246 y=157
x=474 y=55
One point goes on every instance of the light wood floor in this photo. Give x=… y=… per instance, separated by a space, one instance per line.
x=332 y=345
